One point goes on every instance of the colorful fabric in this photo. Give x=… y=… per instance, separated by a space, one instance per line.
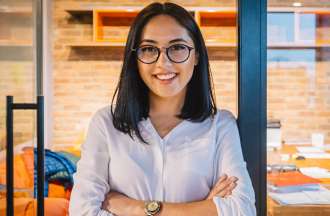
x=59 y=167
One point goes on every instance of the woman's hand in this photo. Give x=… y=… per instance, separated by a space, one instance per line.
x=120 y=204
x=223 y=187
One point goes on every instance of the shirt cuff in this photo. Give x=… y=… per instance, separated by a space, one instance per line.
x=216 y=201
x=104 y=213
x=234 y=206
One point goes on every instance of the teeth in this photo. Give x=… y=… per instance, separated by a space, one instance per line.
x=166 y=76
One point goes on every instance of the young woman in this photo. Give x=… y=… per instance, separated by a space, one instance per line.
x=163 y=148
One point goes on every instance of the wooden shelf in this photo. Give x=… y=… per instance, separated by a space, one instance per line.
x=220 y=44
x=122 y=44
x=105 y=20
x=88 y=8
x=79 y=12
x=76 y=11
x=111 y=20
x=208 y=44
x=296 y=46
x=316 y=10
x=216 y=18
x=96 y=44
x=16 y=10
x=12 y=43
x=218 y=25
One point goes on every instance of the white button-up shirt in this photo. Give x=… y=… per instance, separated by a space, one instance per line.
x=183 y=166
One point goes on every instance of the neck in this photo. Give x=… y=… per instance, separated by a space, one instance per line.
x=166 y=106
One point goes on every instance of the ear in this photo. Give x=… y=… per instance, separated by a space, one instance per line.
x=196 y=58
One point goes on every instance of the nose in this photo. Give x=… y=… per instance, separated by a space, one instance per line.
x=163 y=59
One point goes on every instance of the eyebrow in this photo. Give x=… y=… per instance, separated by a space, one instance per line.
x=171 y=41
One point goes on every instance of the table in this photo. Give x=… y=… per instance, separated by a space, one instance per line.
x=274 y=208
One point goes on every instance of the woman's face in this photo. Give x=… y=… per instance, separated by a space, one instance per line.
x=165 y=78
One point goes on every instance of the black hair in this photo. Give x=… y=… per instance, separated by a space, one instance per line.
x=132 y=102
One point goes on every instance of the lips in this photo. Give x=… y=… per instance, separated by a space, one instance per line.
x=165 y=76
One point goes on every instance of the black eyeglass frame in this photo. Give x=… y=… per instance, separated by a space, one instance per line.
x=166 y=51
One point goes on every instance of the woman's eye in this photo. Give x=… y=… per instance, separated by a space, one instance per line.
x=148 y=49
x=178 y=47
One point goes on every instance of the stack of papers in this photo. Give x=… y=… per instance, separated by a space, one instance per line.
x=315 y=155
x=295 y=188
x=320 y=197
x=315 y=172
x=312 y=152
x=309 y=149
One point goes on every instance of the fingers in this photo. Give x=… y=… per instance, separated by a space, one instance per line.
x=213 y=191
x=222 y=179
x=230 y=188
x=224 y=186
x=227 y=189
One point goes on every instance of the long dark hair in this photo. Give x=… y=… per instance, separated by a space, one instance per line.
x=132 y=102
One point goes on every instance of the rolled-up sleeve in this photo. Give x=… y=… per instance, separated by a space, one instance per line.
x=229 y=160
x=91 y=179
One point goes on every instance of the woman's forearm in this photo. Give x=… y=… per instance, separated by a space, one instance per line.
x=204 y=207
x=122 y=205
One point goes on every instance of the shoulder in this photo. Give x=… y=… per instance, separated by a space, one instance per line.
x=224 y=117
x=102 y=116
x=227 y=134
x=104 y=112
x=225 y=114
x=224 y=121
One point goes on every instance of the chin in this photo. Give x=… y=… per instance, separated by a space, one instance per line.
x=168 y=94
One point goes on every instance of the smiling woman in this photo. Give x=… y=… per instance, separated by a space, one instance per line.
x=163 y=148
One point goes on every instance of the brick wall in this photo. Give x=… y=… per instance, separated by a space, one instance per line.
x=300 y=98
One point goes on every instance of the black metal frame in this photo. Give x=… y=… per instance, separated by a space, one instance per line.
x=39 y=44
x=252 y=88
x=39 y=106
x=11 y=106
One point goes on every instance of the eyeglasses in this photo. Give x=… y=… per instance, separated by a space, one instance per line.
x=176 y=53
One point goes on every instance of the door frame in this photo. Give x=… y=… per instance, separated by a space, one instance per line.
x=252 y=93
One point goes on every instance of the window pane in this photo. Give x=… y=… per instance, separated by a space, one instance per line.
x=298 y=94
x=17 y=79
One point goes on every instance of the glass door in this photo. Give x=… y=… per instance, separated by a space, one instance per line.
x=18 y=79
x=298 y=113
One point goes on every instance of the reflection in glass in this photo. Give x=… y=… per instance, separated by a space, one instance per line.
x=298 y=99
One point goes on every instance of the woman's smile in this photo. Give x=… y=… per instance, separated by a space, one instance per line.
x=165 y=78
